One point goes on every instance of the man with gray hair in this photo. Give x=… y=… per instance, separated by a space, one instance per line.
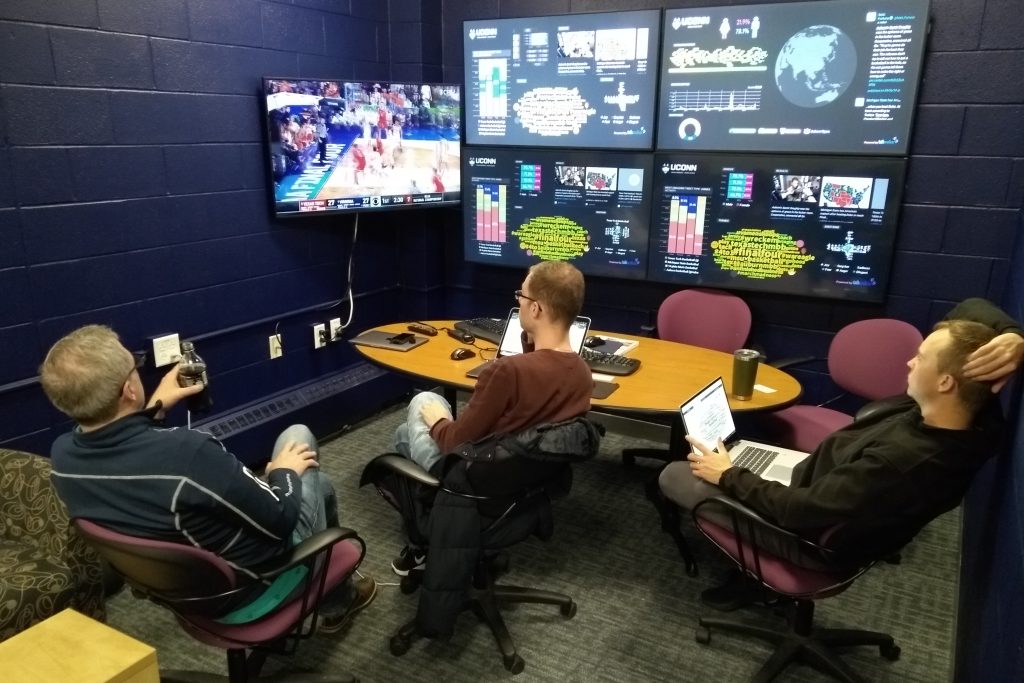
x=122 y=469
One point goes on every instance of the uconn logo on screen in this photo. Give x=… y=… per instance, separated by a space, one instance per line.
x=488 y=32
x=482 y=161
x=679 y=168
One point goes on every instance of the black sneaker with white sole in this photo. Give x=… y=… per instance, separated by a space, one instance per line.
x=411 y=559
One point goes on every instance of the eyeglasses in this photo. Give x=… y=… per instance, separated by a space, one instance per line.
x=138 y=360
x=519 y=295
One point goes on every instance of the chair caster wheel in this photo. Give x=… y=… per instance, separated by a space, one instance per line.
x=399 y=645
x=890 y=652
x=409 y=584
x=691 y=569
x=514 y=664
x=702 y=635
x=569 y=611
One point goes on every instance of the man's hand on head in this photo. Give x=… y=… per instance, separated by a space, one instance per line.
x=708 y=465
x=169 y=393
x=433 y=412
x=294 y=456
x=997 y=360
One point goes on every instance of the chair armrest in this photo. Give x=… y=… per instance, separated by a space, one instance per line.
x=312 y=546
x=784 y=363
x=737 y=509
x=395 y=463
x=400 y=465
x=752 y=529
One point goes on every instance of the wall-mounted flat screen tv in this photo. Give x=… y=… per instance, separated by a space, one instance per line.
x=808 y=225
x=834 y=77
x=344 y=146
x=588 y=208
x=578 y=80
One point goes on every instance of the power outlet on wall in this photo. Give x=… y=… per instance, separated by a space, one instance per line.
x=319 y=336
x=335 y=327
x=274 y=346
x=166 y=350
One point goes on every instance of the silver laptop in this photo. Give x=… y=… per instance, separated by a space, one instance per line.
x=707 y=417
x=511 y=343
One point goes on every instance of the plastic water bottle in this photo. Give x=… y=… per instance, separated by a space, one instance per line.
x=192 y=370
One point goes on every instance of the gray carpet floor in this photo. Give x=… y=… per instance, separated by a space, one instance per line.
x=637 y=607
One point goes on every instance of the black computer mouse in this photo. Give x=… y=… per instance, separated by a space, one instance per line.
x=462 y=354
x=591 y=342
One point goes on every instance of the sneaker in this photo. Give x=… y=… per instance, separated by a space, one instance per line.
x=738 y=591
x=364 y=590
x=411 y=559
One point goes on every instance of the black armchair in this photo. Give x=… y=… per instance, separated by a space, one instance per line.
x=799 y=570
x=464 y=528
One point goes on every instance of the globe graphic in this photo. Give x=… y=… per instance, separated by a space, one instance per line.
x=815 y=66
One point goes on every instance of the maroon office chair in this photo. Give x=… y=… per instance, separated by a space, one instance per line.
x=866 y=358
x=198 y=587
x=698 y=317
x=706 y=318
x=796 y=569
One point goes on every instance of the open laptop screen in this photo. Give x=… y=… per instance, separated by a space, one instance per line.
x=512 y=340
x=707 y=415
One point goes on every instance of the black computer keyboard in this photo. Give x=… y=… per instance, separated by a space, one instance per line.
x=490 y=329
x=609 y=363
x=754 y=459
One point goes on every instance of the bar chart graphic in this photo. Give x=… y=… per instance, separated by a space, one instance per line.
x=493 y=85
x=740 y=186
x=686 y=224
x=529 y=178
x=491 y=213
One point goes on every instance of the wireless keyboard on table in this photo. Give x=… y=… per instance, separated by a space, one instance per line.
x=609 y=363
x=490 y=329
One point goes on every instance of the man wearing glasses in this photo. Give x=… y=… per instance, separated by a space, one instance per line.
x=549 y=382
x=122 y=469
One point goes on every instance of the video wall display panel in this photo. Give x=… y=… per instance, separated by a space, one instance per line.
x=344 y=146
x=579 y=80
x=807 y=225
x=589 y=208
x=831 y=77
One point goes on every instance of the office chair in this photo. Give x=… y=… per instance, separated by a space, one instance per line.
x=699 y=317
x=503 y=519
x=199 y=587
x=797 y=569
x=866 y=358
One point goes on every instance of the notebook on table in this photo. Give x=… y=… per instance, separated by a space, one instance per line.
x=511 y=343
x=708 y=417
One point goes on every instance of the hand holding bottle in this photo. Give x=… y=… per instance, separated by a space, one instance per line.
x=170 y=391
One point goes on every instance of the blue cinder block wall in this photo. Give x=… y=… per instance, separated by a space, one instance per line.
x=132 y=193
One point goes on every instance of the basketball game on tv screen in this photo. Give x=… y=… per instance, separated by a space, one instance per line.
x=336 y=146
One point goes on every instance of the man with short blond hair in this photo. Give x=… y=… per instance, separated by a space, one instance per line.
x=884 y=477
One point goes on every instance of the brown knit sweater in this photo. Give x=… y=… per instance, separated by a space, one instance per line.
x=516 y=392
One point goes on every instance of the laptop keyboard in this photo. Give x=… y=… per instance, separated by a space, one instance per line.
x=754 y=459
x=483 y=328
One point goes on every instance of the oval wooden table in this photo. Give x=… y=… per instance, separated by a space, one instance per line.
x=669 y=372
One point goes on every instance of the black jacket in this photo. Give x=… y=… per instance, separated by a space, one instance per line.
x=525 y=470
